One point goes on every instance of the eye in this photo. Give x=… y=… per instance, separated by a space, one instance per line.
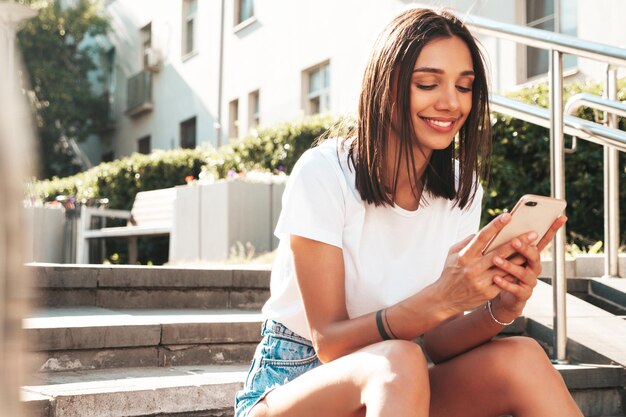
x=426 y=86
x=463 y=89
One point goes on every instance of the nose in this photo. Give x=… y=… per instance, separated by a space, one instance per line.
x=448 y=99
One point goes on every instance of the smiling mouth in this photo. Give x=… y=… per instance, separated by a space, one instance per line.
x=440 y=123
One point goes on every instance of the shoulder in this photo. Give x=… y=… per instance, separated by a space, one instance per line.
x=324 y=160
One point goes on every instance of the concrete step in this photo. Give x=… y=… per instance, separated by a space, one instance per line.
x=608 y=294
x=124 y=286
x=207 y=391
x=597 y=389
x=210 y=390
x=611 y=292
x=594 y=335
x=85 y=338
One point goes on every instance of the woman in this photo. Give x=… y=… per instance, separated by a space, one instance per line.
x=377 y=249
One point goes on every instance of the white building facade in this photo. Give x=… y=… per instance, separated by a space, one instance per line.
x=187 y=73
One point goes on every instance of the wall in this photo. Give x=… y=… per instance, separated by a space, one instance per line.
x=289 y=37
x=181 y=89
x=601 y=21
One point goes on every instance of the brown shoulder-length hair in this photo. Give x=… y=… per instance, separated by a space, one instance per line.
x=392 y=60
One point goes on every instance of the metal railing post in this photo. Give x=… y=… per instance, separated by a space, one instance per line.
x=611 y=186
x=557 y=177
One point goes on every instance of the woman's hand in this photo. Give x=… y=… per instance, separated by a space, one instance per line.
x=467 y=280
x=522 y=271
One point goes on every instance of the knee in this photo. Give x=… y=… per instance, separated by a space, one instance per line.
x=518 y=358
x=398 y=365
x=521 y=351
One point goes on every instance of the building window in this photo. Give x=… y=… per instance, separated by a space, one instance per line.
x=190 y=8
x=316 y=89
x=244 y=10
x=143 y=145
x=233 y=119
x=107 y=63
x=188 y=134
x=146 y=43
x=541 y=14
x=108 y=156
x=253 y=109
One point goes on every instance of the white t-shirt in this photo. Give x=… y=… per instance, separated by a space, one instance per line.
x=389 y=253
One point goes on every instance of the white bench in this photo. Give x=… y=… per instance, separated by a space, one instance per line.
x=152 y=214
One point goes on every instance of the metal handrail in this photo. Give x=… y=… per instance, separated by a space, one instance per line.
x=595 y=102
x=612 y=109
x=557 y=45
x=547 y=40
x=575 y=126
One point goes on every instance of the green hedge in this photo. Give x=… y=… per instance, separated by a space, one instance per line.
x=520 y=165
x=270 y=149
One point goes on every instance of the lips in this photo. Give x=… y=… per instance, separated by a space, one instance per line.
x=440 y=124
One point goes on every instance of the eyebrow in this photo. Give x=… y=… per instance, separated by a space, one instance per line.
x=440 y=71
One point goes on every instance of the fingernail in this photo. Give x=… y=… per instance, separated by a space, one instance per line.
x=532 y=236
x=505 y=217
x=498 y=260
x=516 y=243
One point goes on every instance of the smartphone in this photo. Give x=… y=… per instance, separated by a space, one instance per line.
x=532 y=212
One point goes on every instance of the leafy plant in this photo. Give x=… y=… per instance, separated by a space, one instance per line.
x=59 y=63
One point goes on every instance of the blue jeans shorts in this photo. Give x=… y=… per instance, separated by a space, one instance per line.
x=281 y=357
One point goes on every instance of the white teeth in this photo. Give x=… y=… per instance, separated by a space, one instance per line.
x=439 y=122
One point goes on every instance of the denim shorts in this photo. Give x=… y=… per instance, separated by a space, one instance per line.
x=281 y=357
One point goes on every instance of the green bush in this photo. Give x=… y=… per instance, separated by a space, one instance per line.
x=521 y=165
x=275 y=148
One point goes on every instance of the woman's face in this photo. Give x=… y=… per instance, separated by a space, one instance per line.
x=441 y=91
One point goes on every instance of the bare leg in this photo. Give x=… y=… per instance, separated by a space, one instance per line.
x=506 y=376
x=385 y=379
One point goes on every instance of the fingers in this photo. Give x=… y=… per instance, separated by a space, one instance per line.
x=477 y=244
x=531 y=253
x=526 y=275
x=505 y=251
x=547 y=238
x=521 y=292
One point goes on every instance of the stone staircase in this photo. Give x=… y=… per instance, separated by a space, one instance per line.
x=160 y=341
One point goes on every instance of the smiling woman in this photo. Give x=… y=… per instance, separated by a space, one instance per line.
x=441 y=93
x=379 y=246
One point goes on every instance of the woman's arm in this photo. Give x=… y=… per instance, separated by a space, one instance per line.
x=320 y=272
x=470 y=330
x=466 y=282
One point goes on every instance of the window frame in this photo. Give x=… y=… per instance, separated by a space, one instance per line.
x=321 y=96
x=186 y=18
x=254 y=106
x=146 y=44
x=556 y=17
x=141 y=143
x=184 y=126
x=233 y=119
x=238 y=22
